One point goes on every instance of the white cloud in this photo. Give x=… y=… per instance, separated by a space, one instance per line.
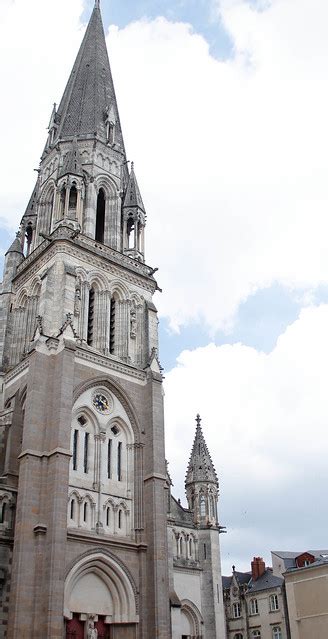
x=265 y=421
x=230 y=155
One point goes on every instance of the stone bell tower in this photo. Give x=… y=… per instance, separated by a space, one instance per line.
x=82 y=486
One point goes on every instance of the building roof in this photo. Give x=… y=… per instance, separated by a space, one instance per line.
x=315 y=564
x=200 y=467
x=89 y=97
x=181 y=516
x=266 y=581
x=242 y=578
x=293 y=555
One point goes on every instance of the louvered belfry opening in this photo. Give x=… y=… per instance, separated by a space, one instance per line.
x=100 y=217
x=112 y=326
x=91 y=311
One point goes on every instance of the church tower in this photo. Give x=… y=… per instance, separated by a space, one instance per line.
x=83 y=499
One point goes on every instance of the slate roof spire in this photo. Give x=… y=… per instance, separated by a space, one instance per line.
x=89 y=95
x=200 y=468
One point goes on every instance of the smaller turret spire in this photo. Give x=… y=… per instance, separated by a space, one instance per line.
x=133 y=196
x=200 y=468
x=201 y=481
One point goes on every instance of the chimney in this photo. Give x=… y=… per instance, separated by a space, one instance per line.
x=258 y=568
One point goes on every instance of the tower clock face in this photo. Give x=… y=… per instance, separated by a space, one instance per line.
x=102 y=402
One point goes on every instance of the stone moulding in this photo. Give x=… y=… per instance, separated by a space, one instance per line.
x=136 y=270
x=110 y=364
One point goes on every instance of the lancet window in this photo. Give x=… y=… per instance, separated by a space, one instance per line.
x=72 y=202
x=28 y=238
x=62 y=201
x=100 y=216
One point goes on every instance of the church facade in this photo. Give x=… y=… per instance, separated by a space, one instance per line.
x=93 y=545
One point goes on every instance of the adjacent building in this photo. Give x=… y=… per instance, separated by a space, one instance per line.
x=307 y=599
x=255 y=604
x=306 y=581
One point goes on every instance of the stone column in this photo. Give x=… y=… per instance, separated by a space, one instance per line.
x=89 y=222
x=156 y=598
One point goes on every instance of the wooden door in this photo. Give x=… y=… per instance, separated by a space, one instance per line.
x=75 y=628
x=103 y=628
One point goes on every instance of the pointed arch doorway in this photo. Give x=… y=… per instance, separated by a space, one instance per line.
x=100 y=594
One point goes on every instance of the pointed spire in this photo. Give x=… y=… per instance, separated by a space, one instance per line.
x=89 y=95
x=200 y=468
x=133 y=196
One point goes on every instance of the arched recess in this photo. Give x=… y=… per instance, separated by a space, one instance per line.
x=24 y=320
x=112 y=209
x=99 y=584
x=117 y=390
x=192 y=619
x=46 y=208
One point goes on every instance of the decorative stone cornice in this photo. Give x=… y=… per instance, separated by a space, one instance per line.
x=94 y=253
x=16 y=372
x=110 y=364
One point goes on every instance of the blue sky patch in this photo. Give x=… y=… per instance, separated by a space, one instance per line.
x=198 y=13
x=260 y=320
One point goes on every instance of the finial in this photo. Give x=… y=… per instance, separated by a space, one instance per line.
x=198 y=419
x=132 y=166
x=233 y=568
x=97 y=4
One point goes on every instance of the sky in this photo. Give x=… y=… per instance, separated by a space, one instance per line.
x=224 y=108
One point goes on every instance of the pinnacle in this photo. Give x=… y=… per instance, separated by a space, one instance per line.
x=200 y=467
x=16 y=246
x=133 y=196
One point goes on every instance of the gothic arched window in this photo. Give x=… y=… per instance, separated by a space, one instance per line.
x=62 y=201
x=130 y=231
x=202 y=506
x=3 y=511
x=72 y=202
x=29 y=237
x=100 y=217
x=119 y=461
x=72 y=509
